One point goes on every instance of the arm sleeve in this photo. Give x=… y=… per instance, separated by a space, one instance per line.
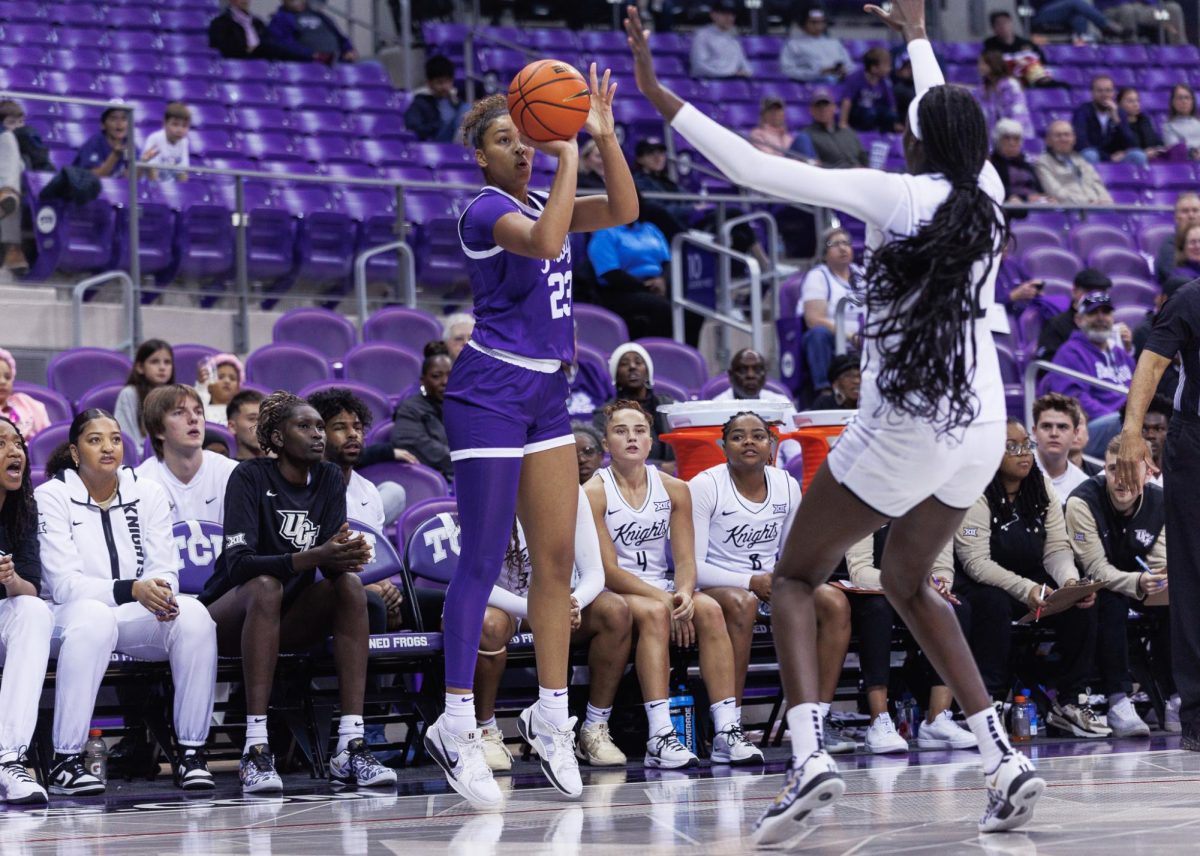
x=602 y=252
x=241 y=519
x=1057 y=556
x=1157 y=559
x=973 y=546
x=704 y=495
x=514 y=605
x=27 y=559
x=860 y=561
x=62 y=564
x=158 y=537
x=587 y=555
x=1085 y=541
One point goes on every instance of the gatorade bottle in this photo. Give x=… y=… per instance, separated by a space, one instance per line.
x=1032 y=710
x=683 y=717
x=95 y=755
x=1018 y=730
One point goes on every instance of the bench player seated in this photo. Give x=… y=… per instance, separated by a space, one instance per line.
x=874 y=619
x=598 y=618
x=1119 y=537
x=639 y=514
x=742 y=511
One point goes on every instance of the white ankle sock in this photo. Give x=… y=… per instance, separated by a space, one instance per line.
x=552 y=706
x=597 y=714
x=460 y=712
x=804 y=722
x=256 y=731
x=738 y=714
x=724 y=713
x=993 y=742
x=824 y=707
x=658 y=714
x=349 y=727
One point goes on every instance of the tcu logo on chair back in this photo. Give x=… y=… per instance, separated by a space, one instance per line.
x=199 y=543
x=298 y=529
x=434 y=547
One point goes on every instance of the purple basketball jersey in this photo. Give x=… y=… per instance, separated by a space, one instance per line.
x=522 y=305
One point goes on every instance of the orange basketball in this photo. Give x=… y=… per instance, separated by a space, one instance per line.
x=549 y=100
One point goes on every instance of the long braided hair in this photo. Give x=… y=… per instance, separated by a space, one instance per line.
x=922 y=292
x=272 y=413
x=17 y=515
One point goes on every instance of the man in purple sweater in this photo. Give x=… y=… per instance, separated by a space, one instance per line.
x=1089 y=350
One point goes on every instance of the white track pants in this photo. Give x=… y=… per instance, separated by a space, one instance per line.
x=86 y=632
x=25 y=625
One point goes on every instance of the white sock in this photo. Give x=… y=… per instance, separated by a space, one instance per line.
x=824 y=707
x=724 y=713
x=597 y=714
x=658 y=713
x=993 y=742
x=460 y=712
x=349 y=727
x=738 y=714
x=256 y=732
x=804 y=722
x=552 y=705
x=487 y=723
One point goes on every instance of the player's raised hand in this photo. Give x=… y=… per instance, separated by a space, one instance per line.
x=638 y=38
x=600 y=122
x=904 y=16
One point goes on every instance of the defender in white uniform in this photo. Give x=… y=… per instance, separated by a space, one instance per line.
x=636 y=510
x=930 y=430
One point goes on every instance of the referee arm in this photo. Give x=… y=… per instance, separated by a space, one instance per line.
x=1134 y=449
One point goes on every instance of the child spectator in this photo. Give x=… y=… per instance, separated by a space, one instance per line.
x=104 y=152
x=867 y=100
x=153 y=366
x=169 y=146
x=217 y=381
x=437 y=109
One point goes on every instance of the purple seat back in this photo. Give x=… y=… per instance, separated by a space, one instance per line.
x=789 y=296
x=287 y=366
x=188 y=357
x=1118 y=261
x=1131 y=291
x=1042 y=262
x=1029 y=326
x=418 y=480
x=198 y=542
x=1131 y=316
x=669 y=387
x=719 y=383
x=385 y=367
x=377 y=403
x=320 y=329
x=103 y=397
x=385 y=561
x=72 y=373
x=432 y=549
x=380 y=432
x=399 y=325
x=1089 y=237
x=1029 y=237
x=416 y=513
x=599 y=327
x=1150 y=237
x=58 y=408
x=224 y=433
x=676 y=362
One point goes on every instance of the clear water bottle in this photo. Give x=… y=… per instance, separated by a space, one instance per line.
x=95 y=755
x=904 y=717
x=915 y=717
x=1018 y=730
x=1031 y=708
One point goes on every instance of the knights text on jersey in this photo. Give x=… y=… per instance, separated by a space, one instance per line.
x=639 y=534
x=743 y=537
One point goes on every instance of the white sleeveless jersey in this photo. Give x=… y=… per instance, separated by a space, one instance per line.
x=639 y=534
x=743 y=537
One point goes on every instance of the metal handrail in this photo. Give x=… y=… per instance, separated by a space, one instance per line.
x=679 y=303
x=1031 y=381
x=360 y=276
x=127 y=289
x=840 y=311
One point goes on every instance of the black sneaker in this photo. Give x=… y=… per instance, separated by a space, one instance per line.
x=68 y=776
x=1191 y=737
x=191 y=771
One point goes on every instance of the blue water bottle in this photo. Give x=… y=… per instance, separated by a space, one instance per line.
x=1031 y=709
x=683 y=717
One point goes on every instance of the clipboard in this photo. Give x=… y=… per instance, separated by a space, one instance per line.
x=1062 y=599
x=850 y=588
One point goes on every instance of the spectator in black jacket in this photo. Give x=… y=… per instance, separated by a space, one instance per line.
x=1102 y=130
x=1059 y=328
x=437 y=109
x=1021 y=183
x=1147 y=136
x=417 y=423
x=301 y=34
x=237 y=34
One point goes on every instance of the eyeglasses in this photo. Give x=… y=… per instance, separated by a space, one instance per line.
x=840 y=243
x=1012 y=447
x=587 y=451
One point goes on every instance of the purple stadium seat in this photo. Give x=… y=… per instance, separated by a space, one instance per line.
x=58 y=408
x=438 y=155
x=156 y=238
x=224 y=433
x=419 y=481
x=378 y=404
x=204 y=239
x=307 y=97
x=1150 y=237
x=318 y=122
x=261 y=119
x=247 y=94
x=287 y=366
x=1051 y=262
x=380 y=432
x=199 y=543
x=428 y=536
x=1130 y=316
x=1118 y=261
x=387 y=368
x=401 y=326
x=362 y=75
x=301 y=73
x=320 y=329
x=188 y=357
x=676 y=362
x=269 y=146
x=1159 y=78
x=103 y=397
x=328 y=149
x=1176 y=55
x=375 y=126
x=1092 y=236
x=385 y=152
x=1171 y=176
x=1029 y=237
x=719 y=383
x=73 y=372
x=1029 y=326
x=599 y=327
x=1131 y=291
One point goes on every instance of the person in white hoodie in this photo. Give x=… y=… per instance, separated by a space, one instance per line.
x=110 y=573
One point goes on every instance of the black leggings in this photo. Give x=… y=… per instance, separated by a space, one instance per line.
x=874 y=621
x=1112 y=643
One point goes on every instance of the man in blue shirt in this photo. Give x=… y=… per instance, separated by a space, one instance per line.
x=302 y=34
x=104 y=152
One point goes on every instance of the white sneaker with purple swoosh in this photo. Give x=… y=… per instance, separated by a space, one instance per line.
x=555 y=748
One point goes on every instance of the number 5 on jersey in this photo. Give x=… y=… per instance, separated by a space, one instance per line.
x=560 y=299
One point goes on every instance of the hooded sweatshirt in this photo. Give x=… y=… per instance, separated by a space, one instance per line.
x=1113 y=365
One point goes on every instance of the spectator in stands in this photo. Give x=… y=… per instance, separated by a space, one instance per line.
x=1059 y=328
x=437 y=109
x=1076 y=14
x=1145 y=135
x=902 y=79
x=456 y=332
x=104 y=152
x=867 y=100
x=1142 y=15
x=417 y=423
x=1118 y=534
x=589 y=450
x=874 y=621
x=633 y=375
x=25 y=620
x=218 y=380
x=771 y=135
x=1090 y=351
x=811 y=55
x=1080 y=441
x=1016 y=289
x=20 y=408
x=837 y=146
x=1064 y=173
x=823 y=288
x=169 y=146
x=264 y=595
x=591 y=166
x=241 y=416
x=1187 y=213
x=1182 y=128
x=1056 y=422
x=1017 y=173
x=12 y=165
x=716 y=49
x=193 y=479
x=1023 y=57
x=1102 y=130
x=1002 y=96
x=238 y=34
x=845 y=381
x=1187 y=252
x=301 y=34
x=109 y=568
x=1013 y=549
x=153 y=366
x=747 y=379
